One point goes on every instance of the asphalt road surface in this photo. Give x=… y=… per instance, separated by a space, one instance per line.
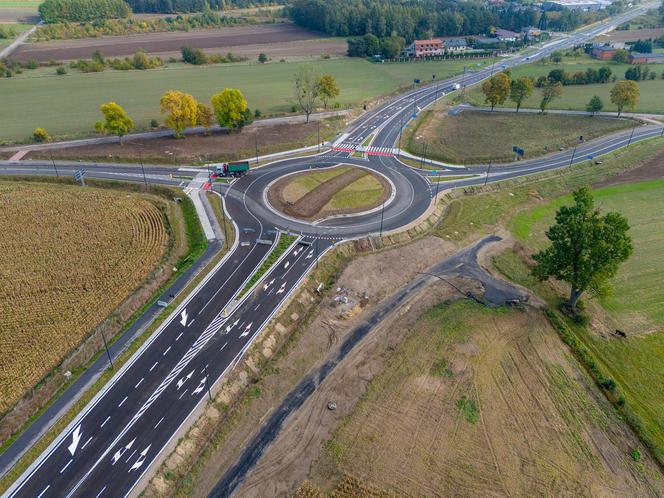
x=108 y=448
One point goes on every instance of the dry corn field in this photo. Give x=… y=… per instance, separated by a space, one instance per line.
x=68 y=257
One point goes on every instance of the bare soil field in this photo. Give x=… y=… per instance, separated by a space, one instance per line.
x=304 y=196
x=218 y=146
x=479 y=402
x=652 y=169
x=633 y=34
x=78 y=255
x=231 y=39
x=13 y=15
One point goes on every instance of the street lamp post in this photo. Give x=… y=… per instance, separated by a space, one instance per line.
x=207 y=382
x=256 y=144
x=488 y=170
x=382 y=212
x=140 y=158
x=107 y=352
x=318 y=135
x=57 y=175
x=631 y=135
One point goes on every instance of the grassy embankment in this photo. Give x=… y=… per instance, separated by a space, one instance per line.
x=635 y=307
x=69 y=105
x=575 y=97
x=476 y=137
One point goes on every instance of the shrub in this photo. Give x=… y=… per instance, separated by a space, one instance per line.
x=7 y=32
x=262 y=58
x=193 y=56
x=41 y=135
x=154 y=123
x=257 y=113
x=609 y=384
x=61 y=70
x=31 y=64
x=636 y=455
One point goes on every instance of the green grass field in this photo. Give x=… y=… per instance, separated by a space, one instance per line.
x=637 y=303
x=575 y=97
x=69 y=105
x=473 y=137
x=364 y=192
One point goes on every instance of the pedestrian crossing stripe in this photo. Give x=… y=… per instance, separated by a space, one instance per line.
x=371 y=150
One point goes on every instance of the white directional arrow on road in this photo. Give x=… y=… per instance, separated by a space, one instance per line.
x=76 y=437
x=141 y=459
x=121 y=451
x=201 y=386
x=246 y=330
x=282 y=288
x=287 y=264
x=268 y=284
x=183 y=321
x=310 y=255
x=183 y=380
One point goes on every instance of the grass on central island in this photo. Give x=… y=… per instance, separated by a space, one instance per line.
x=476 y=136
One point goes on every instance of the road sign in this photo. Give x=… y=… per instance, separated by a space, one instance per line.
x=79 y=175
x=434 y=171
x=590 y=158
x=414 y=115
x=518 y=150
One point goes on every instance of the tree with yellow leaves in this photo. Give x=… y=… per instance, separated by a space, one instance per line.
x=182 y=110
x=116 y=120
x=204 y=118
x=625 y=93
x=231 y=109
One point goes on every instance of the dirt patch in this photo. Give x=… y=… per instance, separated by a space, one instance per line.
x=475 y=402
x=652 y=169
x=218 y=146
x=633 y=34
x=312 y=205
x=224 y=39
x=13 y=15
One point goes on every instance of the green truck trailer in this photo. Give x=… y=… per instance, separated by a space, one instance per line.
x=237 y=168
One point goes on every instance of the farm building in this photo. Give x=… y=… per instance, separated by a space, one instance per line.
x=604 y=53
x=637 y=58
x=585 y=5
x=507 y=35
x=425 y=48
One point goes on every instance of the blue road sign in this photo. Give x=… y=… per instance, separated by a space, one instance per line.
x=518 y=150
x=414 y=115
x=590 y=158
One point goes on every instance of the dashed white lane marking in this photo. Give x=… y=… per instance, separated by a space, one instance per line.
x=122 y=402
x=102 y=490
x=191 y=322
x=222 y=347
x=66 y=465
x=104 y=422
x=86 y=443
x=167 y=350
x=132 y=454
x=42 y=493
x=179 y=335
x=139 y=382
x=160 y=420
x=152 y=367
x=182 y=394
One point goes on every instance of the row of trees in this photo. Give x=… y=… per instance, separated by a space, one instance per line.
x=587 y=77
x=500 y=87
x=182 y=111
x=369 y=45
x=417 y=19
x=53 y=11
x=183 y=6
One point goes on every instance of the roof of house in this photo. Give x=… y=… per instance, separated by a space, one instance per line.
x=456 y=42
x=506 y=33
x=605 y=48
x=654 y=55
x=434 y=41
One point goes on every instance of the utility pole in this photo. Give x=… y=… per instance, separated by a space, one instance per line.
x=437 y=186
x=256 y=144
x=382 y=212
x=140 y=158
x=318 y=135
x=401 y=129
x=106 y=346
x=316 y=246
x=424 y=153
x=57 y=175
x=573 y=154
x=463 y=84
x=630 y=137
x=488 y=170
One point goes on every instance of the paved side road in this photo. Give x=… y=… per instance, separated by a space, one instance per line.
x=5 y=52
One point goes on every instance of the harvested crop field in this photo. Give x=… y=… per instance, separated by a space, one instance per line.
x=481 y=402
x=632 y=35
x=69 y=256
x=328 y=192
x=227 y=39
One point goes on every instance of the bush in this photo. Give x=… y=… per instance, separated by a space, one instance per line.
x=61 y=70
x=636 y=455
x=154 y=123
x=193 y=56
x=262 y=58
x=7 y=32
x=257 y=113
x=609 y=384
x=41 y=135
x=53 y=11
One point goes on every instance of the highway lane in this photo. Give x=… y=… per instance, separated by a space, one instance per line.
x=124 y=429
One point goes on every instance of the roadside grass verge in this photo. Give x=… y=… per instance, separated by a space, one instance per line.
x=284 y=243
x=196 y=243
x=440 y=179
x=479 y=137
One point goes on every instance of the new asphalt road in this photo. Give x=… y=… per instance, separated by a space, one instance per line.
x=114 y=441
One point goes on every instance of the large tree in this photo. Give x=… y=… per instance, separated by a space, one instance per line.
x=586 y=247
x=306 y=88
x=328 y=88
x=204 y=117
x=551 y=90
x=625 y=94
x=116 y=120
x=230 y=108
x=520 y=89
x=182 y=110
x=496 y=89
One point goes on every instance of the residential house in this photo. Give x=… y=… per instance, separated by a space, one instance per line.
x=506 y=35
x=425 y=48
x=455 y=44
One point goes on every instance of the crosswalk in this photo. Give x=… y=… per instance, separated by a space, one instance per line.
x=370 y=150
